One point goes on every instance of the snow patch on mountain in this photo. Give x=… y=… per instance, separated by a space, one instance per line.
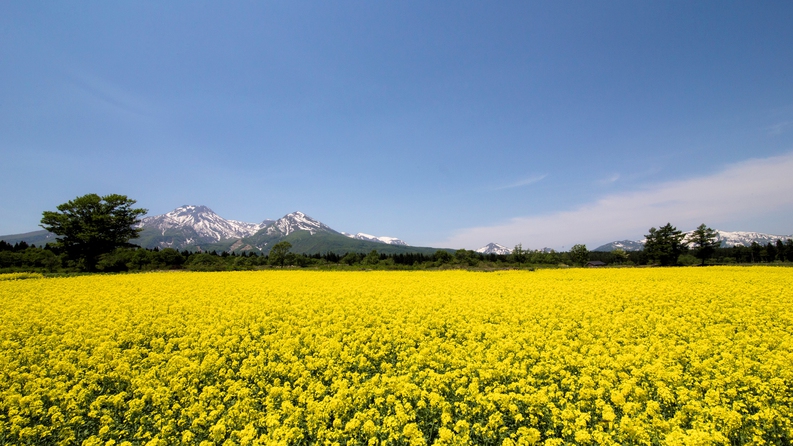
x=494 y=248
x=376 y=239
x=206 y=223
x=296 y=221
x=625 y=245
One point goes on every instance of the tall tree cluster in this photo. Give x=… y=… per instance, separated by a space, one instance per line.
x=665 y=244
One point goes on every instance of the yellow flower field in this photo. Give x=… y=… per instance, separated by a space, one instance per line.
x=688 y=356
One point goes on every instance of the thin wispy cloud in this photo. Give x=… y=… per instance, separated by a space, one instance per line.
x=780 y=128
x=612 y=179
x=753 y=187
x=523 y=182
x=109 y=96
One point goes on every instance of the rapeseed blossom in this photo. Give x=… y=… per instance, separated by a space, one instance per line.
x=628 y=356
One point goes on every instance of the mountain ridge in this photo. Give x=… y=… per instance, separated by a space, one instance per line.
x=376 y=239
x=726 y=239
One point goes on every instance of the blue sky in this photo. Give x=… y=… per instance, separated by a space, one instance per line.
x=443 y=123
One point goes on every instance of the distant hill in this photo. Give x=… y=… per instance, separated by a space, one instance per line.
x=37 y=238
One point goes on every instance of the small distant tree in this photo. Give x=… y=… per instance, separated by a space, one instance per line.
x=664 y=245
x=371 y=259
x=536 y=256
x=442 y=256
x=703 y=240
x=579 y=254
x=466 y=257
x=278 y=253
x=519 y=255
x=171 y=258
x=41 y=258
x=756 y=252
x=350 y=258
x=90 y=226
x=780 y=250
x=620 y=256
x=772 y=252
x=205 y=261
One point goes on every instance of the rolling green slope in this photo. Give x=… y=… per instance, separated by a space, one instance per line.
x=37 y=238
x=321 y=242
x=181 y=238
x=303 y=242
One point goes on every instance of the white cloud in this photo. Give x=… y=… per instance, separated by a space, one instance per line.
x=757 y=187
x=523 y=182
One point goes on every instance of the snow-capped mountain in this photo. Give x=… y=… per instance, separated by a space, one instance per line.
x=726 y=239
x=494 y=248
x=741 y=238
x=376 y=239
x=202 y=221
x=296 y=221
x=198 y=227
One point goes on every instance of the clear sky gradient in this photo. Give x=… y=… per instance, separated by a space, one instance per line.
x=447 y=124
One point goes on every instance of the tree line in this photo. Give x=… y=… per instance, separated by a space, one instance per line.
x=52 y=259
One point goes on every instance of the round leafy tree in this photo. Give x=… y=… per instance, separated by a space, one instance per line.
x=90 y=226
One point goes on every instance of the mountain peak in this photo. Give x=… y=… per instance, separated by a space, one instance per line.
x=203 y=224
x=190 y=209
x=297 y=221
x=494 y=248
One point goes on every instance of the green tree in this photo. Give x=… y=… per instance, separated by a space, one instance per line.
x=620 y=256
x=703 y=239
x=756 y=251
x=442 y=256
x=518 y=254
x=664 y=245
x=90 y=226
x=783 y=250
x=350 y=258
x=780 y=250
x=116 y=261
x=170 y=257
x=205 y=262
x=579 y=254
x=279 y=252
x=466 y=257
x=371 y=259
